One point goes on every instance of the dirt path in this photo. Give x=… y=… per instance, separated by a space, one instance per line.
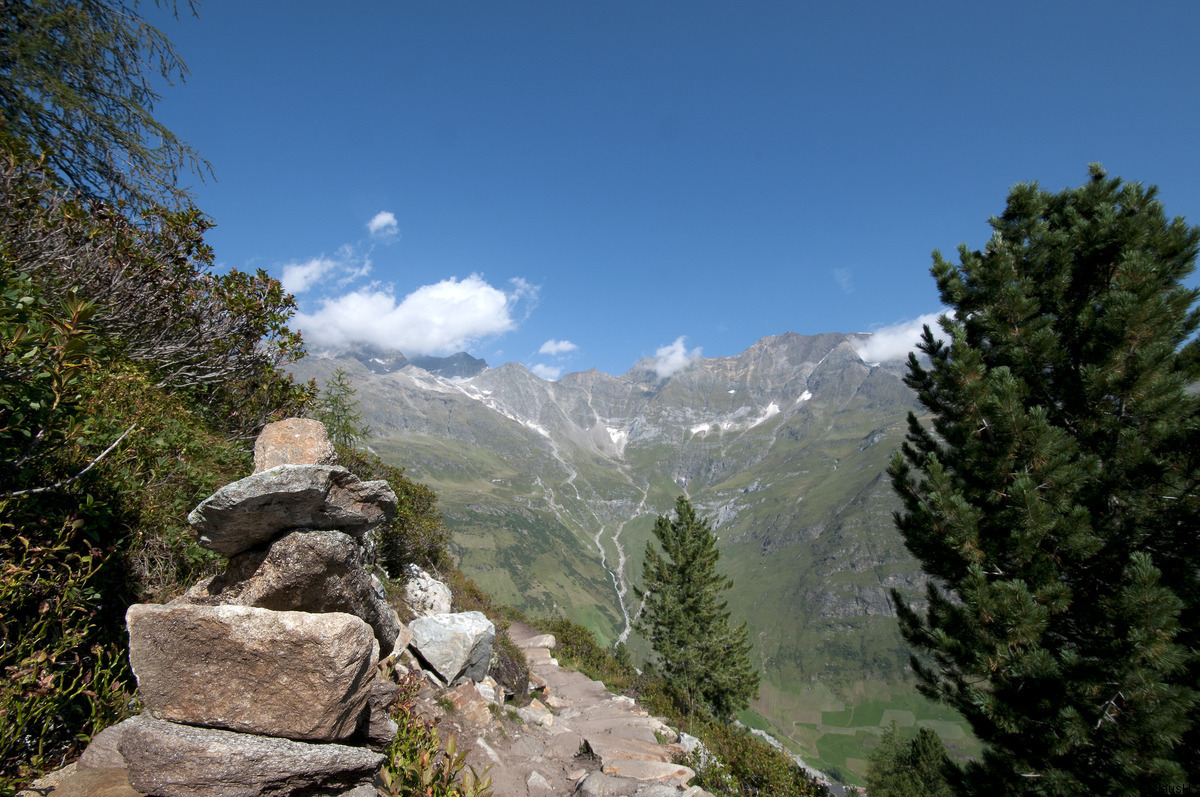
x=579 y=738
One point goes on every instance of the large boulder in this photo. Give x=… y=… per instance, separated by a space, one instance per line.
x=293 y=441
x=456 y=646
x=303 y=571
x=253 y=510
x=172 y=760
x=291 y=674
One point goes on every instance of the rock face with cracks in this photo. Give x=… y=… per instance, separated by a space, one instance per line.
x=309 y=571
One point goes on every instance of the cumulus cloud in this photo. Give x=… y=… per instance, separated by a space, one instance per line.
x=345 y=267
x=299 y=277
x=557 y=347
x=438 y=319
x=670 y=360
x=547 y=372
x=896 y=341
x=383 y=225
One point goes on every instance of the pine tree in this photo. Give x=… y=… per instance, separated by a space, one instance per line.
x=1054 y=499
x=703 y=659
x=912 y=768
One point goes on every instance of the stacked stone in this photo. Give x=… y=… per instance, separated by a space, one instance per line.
x=264 y=679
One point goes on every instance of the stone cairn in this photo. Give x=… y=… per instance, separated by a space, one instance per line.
x=264 y=679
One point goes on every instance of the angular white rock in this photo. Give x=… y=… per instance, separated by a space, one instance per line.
x=457 y=646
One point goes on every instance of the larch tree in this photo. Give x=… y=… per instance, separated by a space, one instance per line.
x=77 y=85
x=1053 y=499
x=337 y=408
x=703 y=658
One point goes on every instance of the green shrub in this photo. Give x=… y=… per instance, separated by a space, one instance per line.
x=44 y=350
x=63 y=661
x=216 y=337
x=417 y=535
x=417 y=762
x=577 y=648
x=171 y=462
x=747 y=765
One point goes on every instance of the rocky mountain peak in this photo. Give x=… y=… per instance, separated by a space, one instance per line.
x=377 y=359
x=456 y=366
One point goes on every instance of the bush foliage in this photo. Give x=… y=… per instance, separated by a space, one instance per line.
x=418 y=763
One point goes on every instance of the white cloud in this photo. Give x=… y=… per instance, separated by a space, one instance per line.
x=299 y=277
x=523 y=291
x=670 y=360
x=442 y=318
x=547 y=372
x=383 y=224
x=557 y=347
x=845 y=279
x=896 y=341
x=340 y=270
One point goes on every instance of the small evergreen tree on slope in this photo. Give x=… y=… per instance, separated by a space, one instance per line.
x=908 y=768
x=337 y=408
x=1054 y=499
x=704 y=659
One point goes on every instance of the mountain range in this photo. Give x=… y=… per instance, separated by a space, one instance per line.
x=552 y=489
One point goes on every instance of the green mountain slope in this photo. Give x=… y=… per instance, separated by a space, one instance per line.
x=551 y=489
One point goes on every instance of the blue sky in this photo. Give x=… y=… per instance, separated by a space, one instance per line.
x=584 y=184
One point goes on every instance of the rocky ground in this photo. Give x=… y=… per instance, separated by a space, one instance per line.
x=281 y=693
x=576 y=738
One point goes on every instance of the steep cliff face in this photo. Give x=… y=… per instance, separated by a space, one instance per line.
x=551 y=489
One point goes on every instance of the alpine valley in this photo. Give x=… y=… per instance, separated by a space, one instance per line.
x=552 y=488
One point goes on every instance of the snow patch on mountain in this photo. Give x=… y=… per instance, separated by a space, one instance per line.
x=484 y=397
x=619 y=438
x=421 y=378
x=770 y=412
x=736 y=422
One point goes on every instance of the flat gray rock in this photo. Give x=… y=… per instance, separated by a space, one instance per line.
x=252 y=511
x=174 y=760
x=597 y=784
